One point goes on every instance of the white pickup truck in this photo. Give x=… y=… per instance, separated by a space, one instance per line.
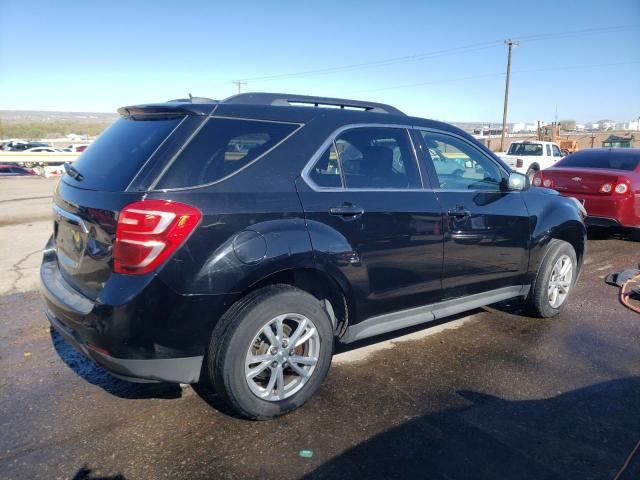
x=531 y=156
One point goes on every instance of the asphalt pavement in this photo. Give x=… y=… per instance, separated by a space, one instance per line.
x=491 y=395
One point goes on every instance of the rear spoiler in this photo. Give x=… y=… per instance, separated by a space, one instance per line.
x=168 y=109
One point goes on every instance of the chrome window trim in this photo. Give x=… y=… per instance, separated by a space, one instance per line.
x=332 y=138
x=211 y=116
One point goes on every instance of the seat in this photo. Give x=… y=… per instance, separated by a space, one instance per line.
x=377 y=167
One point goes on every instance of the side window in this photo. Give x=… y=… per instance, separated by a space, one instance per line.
x=377 y=157
x=556 y=151
x=326 y=171
x=222 y=147
x=548 y=150
x=459 y=165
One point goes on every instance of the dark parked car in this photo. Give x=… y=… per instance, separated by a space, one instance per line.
x=605 y=180
x=235 y=242
x=14 y=171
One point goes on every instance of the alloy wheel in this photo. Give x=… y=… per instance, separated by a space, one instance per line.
x=282 y=357
x=560 y=281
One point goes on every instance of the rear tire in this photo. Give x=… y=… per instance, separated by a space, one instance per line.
x=254 y=335
x=555 y=279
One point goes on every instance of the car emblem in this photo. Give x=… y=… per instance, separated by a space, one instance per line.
x=577 y=179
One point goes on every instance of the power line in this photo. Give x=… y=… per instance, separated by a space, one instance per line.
x=497 y=74
x=385 y=62
x=439 y=53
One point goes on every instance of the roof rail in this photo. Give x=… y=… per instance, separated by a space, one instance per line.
x=286 y=99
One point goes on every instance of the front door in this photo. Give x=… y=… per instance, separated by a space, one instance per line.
x=371 y=222
x=486 y=228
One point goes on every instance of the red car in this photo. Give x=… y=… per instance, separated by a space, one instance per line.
x=605 y=180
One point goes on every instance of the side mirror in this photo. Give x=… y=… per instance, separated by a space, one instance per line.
x=518 y=182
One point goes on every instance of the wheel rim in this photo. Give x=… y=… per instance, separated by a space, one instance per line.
x=560 y=281
x=282 y=357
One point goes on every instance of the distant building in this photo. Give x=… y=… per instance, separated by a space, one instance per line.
x=606 y=125
x=633 y=125
x=522 y=127
x=615 y=141
x=579 y=127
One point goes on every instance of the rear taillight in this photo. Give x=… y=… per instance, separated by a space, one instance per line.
x=606 y=188
x=547 y=183
x=537 y=180
x=621 y=188
x=519 y=163
x=148 y=232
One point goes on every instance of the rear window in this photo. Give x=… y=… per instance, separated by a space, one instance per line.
x=221 y=148
x=609 y=160
x=116 y=156
x=524 y=149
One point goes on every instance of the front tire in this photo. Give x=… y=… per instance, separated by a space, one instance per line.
x=555 y=279
x=271 y=352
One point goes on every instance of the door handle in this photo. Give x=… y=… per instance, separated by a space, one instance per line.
x=347 y=211
x=459 y=212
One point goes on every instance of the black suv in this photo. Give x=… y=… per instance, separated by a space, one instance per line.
x=235 y=242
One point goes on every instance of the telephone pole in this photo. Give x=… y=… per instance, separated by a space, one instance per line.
x=510 y=43
x=239 y=83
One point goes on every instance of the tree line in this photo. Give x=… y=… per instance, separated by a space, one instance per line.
x=37 y=130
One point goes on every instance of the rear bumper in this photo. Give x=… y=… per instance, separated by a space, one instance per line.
x=137 y=328
x=179 y=370
x=610 y=211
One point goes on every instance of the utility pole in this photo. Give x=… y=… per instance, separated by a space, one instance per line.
x=510 y=43
x=239 y=83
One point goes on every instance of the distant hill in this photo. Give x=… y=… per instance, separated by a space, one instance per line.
x=20 y=116
x=35 y=125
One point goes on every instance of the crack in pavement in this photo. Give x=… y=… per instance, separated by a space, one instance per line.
x=17 y=269
x=24 y=198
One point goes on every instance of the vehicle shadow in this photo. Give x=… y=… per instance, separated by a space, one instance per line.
x=587 y=433
x=602 y=233
x=85 y=473
x=96 y=375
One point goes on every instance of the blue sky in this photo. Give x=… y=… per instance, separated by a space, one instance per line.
x=97 y=56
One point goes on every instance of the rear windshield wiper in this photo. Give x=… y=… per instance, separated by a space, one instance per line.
x=73 y=172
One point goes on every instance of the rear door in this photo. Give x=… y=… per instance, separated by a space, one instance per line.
x=486 y=229
x=371 y=221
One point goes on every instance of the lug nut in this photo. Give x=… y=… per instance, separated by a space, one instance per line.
x=292 y=352
x=273 y=350
x=274 y=364
x=285 y=343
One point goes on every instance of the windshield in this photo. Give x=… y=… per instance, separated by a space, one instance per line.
x=608 y=160
x=525 y=149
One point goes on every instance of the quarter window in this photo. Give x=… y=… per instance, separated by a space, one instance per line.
x=556 y=151
x=326 y=171
x=459 y=165
x=223 y=147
